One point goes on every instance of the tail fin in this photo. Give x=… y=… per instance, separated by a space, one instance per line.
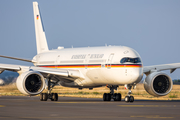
x=41 y=41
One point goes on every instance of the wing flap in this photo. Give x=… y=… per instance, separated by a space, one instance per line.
x=50 y=71
x=9 y=67
x=65 y=75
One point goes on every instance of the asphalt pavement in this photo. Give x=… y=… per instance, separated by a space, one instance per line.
x=68 y=108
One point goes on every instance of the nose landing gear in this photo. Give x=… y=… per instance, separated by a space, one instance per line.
x=112 y=95
x=129 y=98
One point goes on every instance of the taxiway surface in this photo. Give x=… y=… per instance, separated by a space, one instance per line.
x=66 y=108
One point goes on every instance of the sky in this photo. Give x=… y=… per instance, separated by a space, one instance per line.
x=151 y=27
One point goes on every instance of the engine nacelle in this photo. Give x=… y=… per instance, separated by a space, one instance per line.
x=158 y=84
x=30 y=83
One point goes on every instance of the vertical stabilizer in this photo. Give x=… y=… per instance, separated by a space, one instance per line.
x=41 y=42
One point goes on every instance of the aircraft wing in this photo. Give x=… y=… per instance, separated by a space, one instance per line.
x=15 y=58
x=172 y=67
x=55 y=74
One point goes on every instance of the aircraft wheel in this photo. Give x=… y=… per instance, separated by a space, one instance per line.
x=127 y=98
x=104 y=97
x=41 y=96
x=117 y=97
x=131 y=99
x=108 y=97
x=45 y=96
x=52 y=97
x=55 y=97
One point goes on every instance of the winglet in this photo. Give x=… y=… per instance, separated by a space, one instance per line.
x=41 y=41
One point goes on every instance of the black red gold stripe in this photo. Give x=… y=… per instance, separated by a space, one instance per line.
x=93 y=66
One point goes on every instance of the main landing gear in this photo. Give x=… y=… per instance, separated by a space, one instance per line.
x=112 y=95
x=129 y=98
x=49 y=95
x=117 y=96
x=46 y=96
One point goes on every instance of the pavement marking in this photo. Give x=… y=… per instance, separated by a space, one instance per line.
x=147 y=105
x=2 y=106
x=151 y=116
x=67 y=117
x=117 y=105
x=91 y=117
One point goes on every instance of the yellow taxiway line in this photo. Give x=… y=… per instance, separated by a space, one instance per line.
x=151 y=116
x=147 y=105
x=2 y=106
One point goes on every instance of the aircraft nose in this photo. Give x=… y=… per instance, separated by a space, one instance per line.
x=136 y=75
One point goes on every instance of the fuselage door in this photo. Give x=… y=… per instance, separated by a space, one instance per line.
x=57 y=62
x=87 y=61
x=109 y=61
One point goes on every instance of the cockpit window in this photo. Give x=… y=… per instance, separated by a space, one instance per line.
x=131 y=60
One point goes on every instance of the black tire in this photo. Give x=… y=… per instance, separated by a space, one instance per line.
x=108 y=97
x=56 y=96
x=131 y=99
x=104 y=97
x=118 y=97
x=41 y=96
x=45 y=96
x=115 y=96
x=127 y=98
x=52 y=97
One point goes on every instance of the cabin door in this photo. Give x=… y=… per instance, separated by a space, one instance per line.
x=109 y=61
x=57 y=62
x=86 y=63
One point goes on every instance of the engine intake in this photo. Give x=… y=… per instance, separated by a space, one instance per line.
x=158 y=84
x=30 y=83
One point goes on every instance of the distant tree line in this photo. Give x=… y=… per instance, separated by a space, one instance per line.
x=176 y=81
x=8 y=76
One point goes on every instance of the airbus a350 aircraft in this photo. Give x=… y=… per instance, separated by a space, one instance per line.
x=87 y=67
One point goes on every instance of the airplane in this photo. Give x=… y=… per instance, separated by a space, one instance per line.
x=87 y=67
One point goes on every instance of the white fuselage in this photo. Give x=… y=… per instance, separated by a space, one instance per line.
x=98 y=65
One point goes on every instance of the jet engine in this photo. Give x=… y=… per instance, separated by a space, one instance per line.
x=158 y=84
x=30 y=83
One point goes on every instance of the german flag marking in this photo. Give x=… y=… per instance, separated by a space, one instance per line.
x=94 y=66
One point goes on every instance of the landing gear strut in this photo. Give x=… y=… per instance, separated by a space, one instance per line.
x=49 y=95
x=129 y=98
x=112 y=95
